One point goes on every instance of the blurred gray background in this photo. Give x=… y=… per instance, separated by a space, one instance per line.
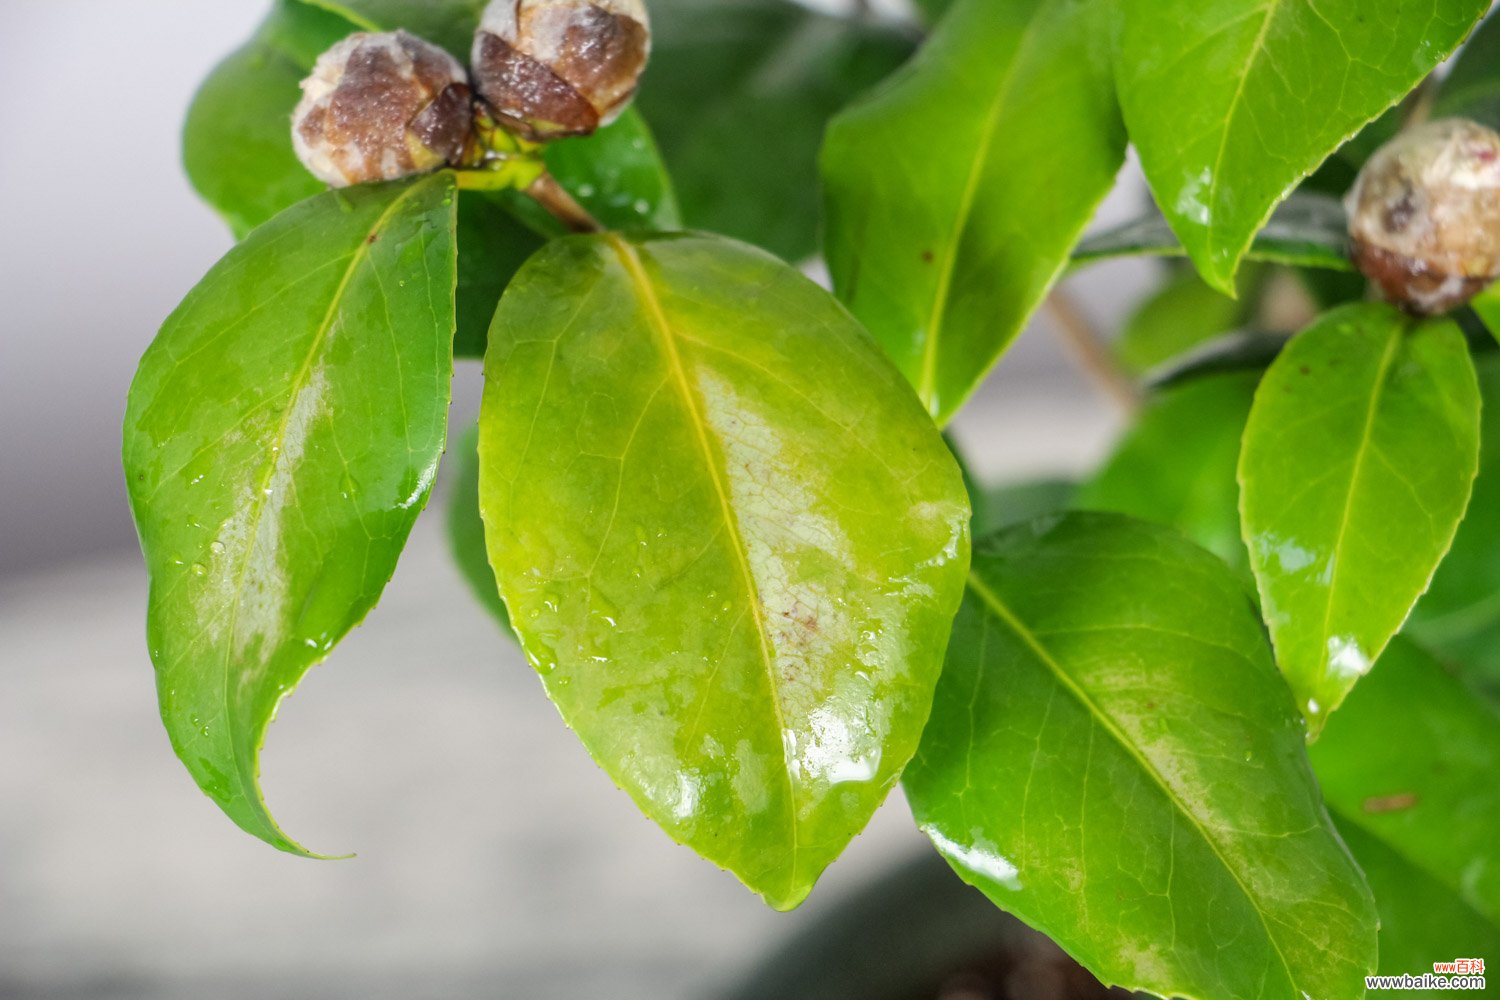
x=495 y=859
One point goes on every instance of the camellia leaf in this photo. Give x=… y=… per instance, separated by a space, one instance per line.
x=739 y=93
x=449 y=23
x=730 y=540
x=1109 y=726
x=1183 y=315
x=237 y=142
x=1232 y=102
x=466 y=530
x=1472 y=87
x=1459 y=616
x=1358 y=461
x=1411 y=761
x=1307 y=230
x=1420 y=916
x=937 y=236
x=1177 y=465
x=281 y=437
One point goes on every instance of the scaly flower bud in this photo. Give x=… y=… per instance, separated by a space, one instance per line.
x=1424 y=215
x=553 y=68
x=380 y=107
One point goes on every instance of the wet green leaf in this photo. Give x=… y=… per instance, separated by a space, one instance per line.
x=1232 y=102
x=281 y=437
x=1113 y=758
x=237 y=142
x=937 y=237
x=1176 y=465
x=730 y=540
x=1472 y=87
x=1307 y=230
x=1459 y=616
x=739 y=93
x=1184 y=314
x=466 y=529
x=1357 y=466
x=1411 y=761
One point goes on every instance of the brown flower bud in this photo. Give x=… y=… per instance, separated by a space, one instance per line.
x=379 y=107
x=553 y=68
x=1424 y=215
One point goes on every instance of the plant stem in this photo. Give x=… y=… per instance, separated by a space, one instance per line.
x=564 y=208
x=1091 y=352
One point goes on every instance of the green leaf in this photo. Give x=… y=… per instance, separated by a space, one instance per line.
x=955 y=193
x=281 y=437
x=1307 y=230
x=1013 y=503
x=1232 y=102
x=1176 y=465
x=492 y=246
x=237 y=143
x=616 y=173
x=466 y=531
x=1113 y=758
x=1184 y=314
x=1411 y=760
x=1421 y=919
x=1357 y=466
x=1459 y=616
x=449 y=23
x=739 y=93
x=1472 y=87
x=730 y=540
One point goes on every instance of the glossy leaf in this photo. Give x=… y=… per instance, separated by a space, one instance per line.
x=1459 y=616
x=1184 y=314
x=739 y=93
x=1231 y=103
x=466 y=530
x=1176 y=465
x=730 y=540
x=237 y=142
x=1411 y=760
x=281 y=437
x=937 y=237
x=1307 y=230
x=1113 y=758
x=1472 y=87
x=1357 y=465
x=616 y=173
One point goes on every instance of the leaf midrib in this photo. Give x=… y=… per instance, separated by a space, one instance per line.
x=993 y=601
x=1387 y=358
x=258 y=504
x=927 y=381
x=1272 y=8
x=659 y=324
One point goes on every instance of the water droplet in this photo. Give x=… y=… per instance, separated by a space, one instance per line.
x=199 y=569
x=217 y=548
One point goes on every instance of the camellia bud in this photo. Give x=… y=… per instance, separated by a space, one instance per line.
x=1424 y=215
x=553 y=68
x=379 y=107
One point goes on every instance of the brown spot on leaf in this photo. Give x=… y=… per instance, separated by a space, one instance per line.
x=1390 y=803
